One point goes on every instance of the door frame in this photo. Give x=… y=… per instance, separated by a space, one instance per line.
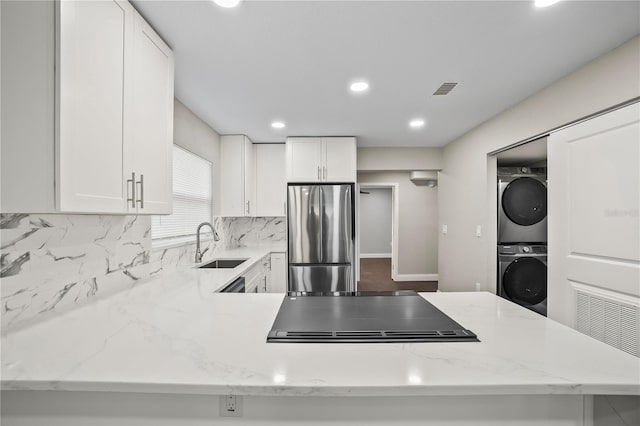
x=395 y=210
x=491 y=225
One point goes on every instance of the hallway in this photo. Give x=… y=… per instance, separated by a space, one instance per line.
x=375 y=275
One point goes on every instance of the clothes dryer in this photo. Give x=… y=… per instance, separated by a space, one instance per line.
x=522 y=205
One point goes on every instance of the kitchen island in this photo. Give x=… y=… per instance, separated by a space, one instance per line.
x=160 y=352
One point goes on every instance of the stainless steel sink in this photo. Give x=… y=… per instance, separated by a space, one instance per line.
x=223 y=263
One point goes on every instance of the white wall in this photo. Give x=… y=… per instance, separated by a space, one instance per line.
x=417 y=222
x=464 y=189
x=375 y=221
x=193 y=134
x=390 y=159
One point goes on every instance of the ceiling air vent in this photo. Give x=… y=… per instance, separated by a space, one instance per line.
x=445 y=89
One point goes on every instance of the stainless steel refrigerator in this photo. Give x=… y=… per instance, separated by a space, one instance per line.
x=321 y=227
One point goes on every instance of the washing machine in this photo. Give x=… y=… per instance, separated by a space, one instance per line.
x=522 y=275
x=522 y=205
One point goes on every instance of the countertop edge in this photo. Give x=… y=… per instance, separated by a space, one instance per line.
x=325 y=391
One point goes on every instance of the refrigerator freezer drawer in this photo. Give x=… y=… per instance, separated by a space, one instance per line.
x=324 y=278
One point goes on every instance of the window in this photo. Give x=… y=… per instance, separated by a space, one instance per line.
x=192 y=199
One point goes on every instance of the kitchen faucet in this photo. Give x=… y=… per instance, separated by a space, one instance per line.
x=199 y=254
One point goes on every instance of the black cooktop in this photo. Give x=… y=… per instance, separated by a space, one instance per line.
x=363 y=317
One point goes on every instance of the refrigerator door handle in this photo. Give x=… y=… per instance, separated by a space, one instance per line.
x=353 y=215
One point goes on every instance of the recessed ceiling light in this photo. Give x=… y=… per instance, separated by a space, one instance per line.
x=417 y=123
x=227 y=3
x=277 y=125
x=359 y=86
x=545 y=3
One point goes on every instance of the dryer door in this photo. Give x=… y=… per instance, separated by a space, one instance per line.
x=524 y=201
x=525 y=281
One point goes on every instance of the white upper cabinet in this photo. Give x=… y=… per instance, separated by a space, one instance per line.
x=91 y=71
x=149 y=144
x=304 y=159
x=249 y=169
x=101 y=93
x=330 y=159
x=271 y=184
x=339 y=160
x=237 y=176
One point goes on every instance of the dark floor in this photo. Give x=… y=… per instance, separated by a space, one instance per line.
x=375 y=275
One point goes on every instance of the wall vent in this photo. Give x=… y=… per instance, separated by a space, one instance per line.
x=445 y=89
x=608 y=316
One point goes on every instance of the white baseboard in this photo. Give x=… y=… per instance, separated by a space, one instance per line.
x=374 y=255
x=416 y=277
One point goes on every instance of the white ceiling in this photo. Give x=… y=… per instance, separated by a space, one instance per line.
x=240 y=69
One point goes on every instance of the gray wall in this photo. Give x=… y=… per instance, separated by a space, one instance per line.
x=417 y=222
x=394 y=159
x=464 y=187
x=375 y=221
x=193 y=134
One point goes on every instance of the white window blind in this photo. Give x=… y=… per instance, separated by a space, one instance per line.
x=192 y=197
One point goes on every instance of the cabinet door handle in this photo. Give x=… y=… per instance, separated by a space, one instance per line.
x=319 y=178
x=141 y=183
x=324 y=172
x=248 y=207
x=133 y=190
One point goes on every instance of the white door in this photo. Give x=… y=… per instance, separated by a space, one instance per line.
x=91 y=68
x=304 y=160
x=339 y=160
x=249 y=167
x=151 y=121
x=271 y=183
x=594 y=196
x=231 y=176
x=278 y=277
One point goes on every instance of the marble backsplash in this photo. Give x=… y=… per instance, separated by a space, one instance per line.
x=53 y=263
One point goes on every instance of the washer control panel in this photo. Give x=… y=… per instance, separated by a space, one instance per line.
x=522 y=249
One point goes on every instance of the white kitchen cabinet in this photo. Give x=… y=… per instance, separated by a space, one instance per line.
x=263 y=281
x=256 y=276
x=327 y=159
x=271 y=183
x=339 y=160
x=278 y=276
x=91 y=103
x=268 y=275
x=249 y=184
x=238 y=179
x=304 y=159
x=149 y=145
x=92 y=53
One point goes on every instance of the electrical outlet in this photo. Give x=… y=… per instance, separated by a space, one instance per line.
x=444 y=229
x=478 y=231
x=230 y=406
x=478 y=287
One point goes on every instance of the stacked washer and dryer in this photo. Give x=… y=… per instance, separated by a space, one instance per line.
x=522 y=236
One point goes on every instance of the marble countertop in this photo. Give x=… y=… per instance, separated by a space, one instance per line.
x=216 y=279
x=174 y=334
